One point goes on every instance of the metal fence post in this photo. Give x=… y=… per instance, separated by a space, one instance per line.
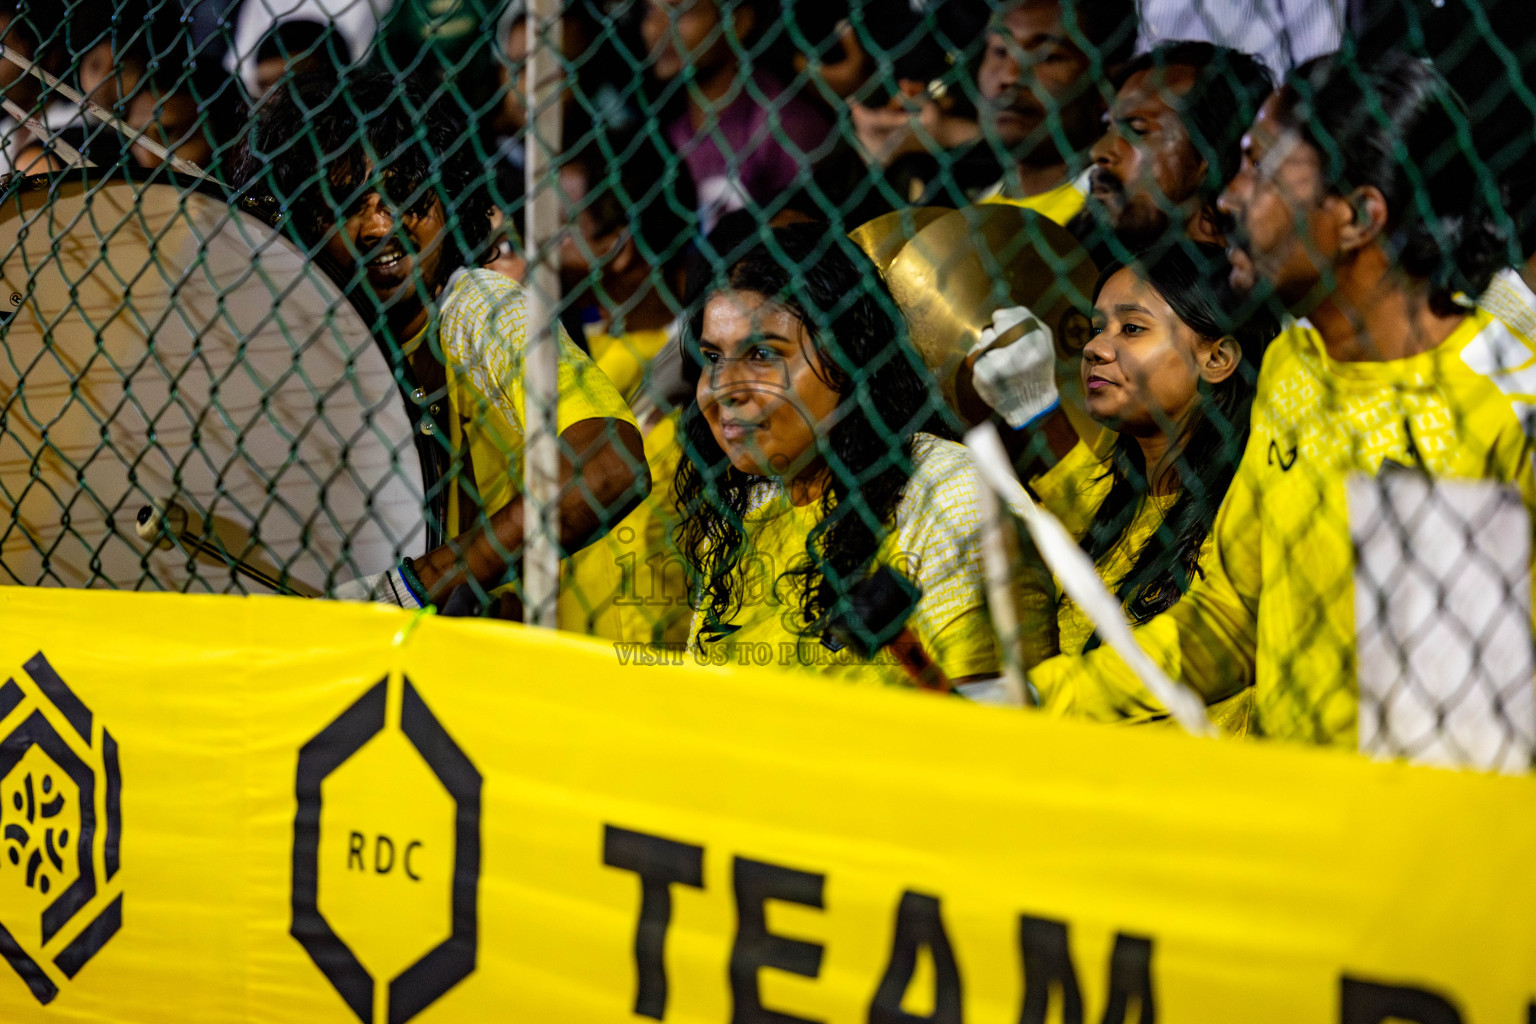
x=541 y=468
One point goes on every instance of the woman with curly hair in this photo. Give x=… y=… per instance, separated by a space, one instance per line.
x=816 y=451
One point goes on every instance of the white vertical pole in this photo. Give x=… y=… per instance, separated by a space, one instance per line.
x=997 y=566
x=541 y=465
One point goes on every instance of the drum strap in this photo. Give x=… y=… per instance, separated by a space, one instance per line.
x=424 y=386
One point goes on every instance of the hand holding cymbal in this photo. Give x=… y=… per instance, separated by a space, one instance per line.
x=963 y=267
x=1014 y=370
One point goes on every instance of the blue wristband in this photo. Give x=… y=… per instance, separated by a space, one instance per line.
x=1042 y=414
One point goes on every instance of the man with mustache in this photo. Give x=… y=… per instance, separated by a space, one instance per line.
x=1171 y=143
x=1039 y=101
x=383 y=187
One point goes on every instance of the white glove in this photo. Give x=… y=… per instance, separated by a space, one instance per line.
x=1018 y=380
x=387 y=587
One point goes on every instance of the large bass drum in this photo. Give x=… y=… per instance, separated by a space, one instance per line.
x=161 y=348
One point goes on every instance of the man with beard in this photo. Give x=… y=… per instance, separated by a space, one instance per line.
x=1039 y=89
x=1040 y=100
x=384 y=188
x=1171 y=143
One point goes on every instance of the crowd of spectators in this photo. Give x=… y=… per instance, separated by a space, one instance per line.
x=741 y=399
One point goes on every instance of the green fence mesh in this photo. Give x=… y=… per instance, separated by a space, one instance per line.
x=264 y=329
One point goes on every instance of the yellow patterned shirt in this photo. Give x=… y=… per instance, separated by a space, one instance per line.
x=936 y=542
x=1275 y=608
x=1510 y=299
x=483 y=333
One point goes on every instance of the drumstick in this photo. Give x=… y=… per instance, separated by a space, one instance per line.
x=68 y=152
x=915 y=660
x=150 y=523
x=103 y=115
x=875 y=618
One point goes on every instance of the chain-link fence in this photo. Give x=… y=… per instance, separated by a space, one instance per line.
x=296 y=289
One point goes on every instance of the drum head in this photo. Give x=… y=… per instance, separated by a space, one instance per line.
x=159 y=345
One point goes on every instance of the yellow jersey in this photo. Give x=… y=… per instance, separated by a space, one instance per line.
x=623 y=358
x=483 y=331
x=1074 y=488
x=1072 y=491
x=1275 y=607
x=936 y=543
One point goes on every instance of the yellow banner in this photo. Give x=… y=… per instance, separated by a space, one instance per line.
x=270 y=810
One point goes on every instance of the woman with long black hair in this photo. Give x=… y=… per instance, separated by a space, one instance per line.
x=816 y=450
x=1172 y=376
x=1170 y=373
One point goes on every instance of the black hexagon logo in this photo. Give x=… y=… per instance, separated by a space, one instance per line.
x=60 y=808
x=448 y=962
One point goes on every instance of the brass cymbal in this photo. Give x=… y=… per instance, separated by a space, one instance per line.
x=964 y=266
x=882 y=238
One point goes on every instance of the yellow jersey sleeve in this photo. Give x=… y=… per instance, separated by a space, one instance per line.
x=485 y=335
x=646 y=600
x=483 y=331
